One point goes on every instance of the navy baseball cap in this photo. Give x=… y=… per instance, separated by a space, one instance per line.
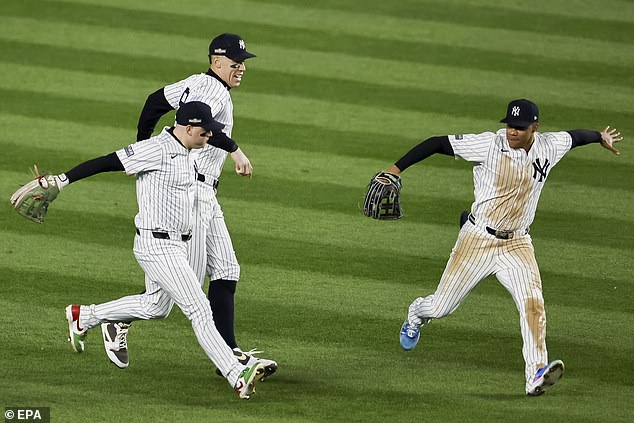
x=230 y=45
x=196 y=113
x=521 y=113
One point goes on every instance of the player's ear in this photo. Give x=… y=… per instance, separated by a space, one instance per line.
x=215 y=62
x=535 y=126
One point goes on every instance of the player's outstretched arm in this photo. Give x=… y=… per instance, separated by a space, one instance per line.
x=430 y=146
x=609 y=137
x=32 y=199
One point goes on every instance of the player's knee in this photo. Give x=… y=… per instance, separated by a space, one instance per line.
x=199 y=310
x=162 y=312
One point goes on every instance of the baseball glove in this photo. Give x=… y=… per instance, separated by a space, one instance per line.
x=32 y=199
x=382 y=197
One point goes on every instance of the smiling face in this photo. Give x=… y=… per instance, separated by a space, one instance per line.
x=230 y=71
x=521 y=137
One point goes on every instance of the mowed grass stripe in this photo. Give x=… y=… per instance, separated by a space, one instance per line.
x=379 y=334
x=610 y=10
x=322 y=324
x=333 y=75
x=410 y=100
x=325 y=114
x=412 y=51
x=68 y=143
x=430 y=207
x=426 y=208
x=546 y=18
x=432 y=58
x=316 y=293
x=467 y=25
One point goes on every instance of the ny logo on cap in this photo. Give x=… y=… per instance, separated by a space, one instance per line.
x=515 y=111
x=242 y=46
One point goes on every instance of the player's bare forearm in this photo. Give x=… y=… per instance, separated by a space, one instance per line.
x=394 y=170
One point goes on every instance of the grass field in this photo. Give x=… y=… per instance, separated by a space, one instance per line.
x=339 y=90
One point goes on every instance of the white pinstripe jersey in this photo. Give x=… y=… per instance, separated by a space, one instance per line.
x=508 y=182
x=207 y=89
x=165 y=179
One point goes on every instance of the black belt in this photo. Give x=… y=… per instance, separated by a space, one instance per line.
x=494 y=232
x=202 y=178
x=165 y=235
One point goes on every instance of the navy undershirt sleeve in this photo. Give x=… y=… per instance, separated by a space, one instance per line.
x=108 y=163
x=155 y=106
x=425 y=149
x=584 y=136
x=222 y=141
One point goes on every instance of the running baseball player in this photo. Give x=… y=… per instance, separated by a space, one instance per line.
x=166 y=182
x=510 y=169
x=210 y=248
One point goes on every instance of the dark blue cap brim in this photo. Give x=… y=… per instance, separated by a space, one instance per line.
x=241 y=57
x=214 y=126
x=522 y=123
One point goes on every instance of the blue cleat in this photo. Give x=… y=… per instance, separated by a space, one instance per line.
x=409 y=335
x=545 y=377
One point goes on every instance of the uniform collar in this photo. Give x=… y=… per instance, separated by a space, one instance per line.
x=176 y=147
x=213 y=74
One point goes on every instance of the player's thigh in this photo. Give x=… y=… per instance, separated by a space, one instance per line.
x=518 y=270
x=197 y=249
x=472 y=259
x=168 y=266
x=220 y=252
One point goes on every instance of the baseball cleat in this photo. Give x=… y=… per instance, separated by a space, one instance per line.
x=77 y=335
x=410 y=334
x=115 y=342
x=248 y=359
x=245 y=386
x=545 y=377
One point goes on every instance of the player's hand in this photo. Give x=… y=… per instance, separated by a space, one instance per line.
x=243 y=165
x=609 y=137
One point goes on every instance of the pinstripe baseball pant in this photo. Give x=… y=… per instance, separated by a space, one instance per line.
x=211 y=249
x=169 y=279
x=477 y=255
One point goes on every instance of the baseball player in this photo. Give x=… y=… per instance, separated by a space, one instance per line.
x=510 y=169
x=210 y=248
x=166 y=180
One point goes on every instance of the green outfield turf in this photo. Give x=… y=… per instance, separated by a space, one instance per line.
x=339 y=90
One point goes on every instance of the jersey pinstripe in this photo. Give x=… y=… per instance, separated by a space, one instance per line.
x=507 y=186
x=165 y=193
x=211 y=249
x=205 y=88
x=508 y=182
x=165 y=182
